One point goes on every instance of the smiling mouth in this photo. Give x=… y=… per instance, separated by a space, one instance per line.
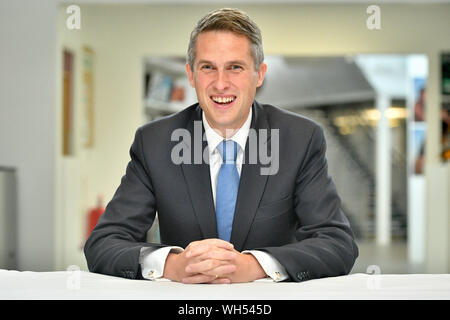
x=223 y=100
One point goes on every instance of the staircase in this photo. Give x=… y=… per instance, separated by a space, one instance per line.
x=351 y=160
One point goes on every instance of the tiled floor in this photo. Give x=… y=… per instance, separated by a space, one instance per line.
x=392 y=259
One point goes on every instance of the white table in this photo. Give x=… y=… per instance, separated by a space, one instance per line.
x=84 y=285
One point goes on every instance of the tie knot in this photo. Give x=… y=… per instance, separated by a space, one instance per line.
x=228 y=151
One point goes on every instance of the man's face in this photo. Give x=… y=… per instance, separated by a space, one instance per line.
x=224 y=78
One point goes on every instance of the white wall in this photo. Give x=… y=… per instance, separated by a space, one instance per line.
x=70 y=194
x=27 y=122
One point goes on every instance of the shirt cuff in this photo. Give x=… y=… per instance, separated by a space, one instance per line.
x=152 y=262
x=274 y=270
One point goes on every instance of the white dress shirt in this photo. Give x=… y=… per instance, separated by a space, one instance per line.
x=152 y=264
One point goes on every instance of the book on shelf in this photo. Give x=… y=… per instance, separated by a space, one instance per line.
x=160 y=87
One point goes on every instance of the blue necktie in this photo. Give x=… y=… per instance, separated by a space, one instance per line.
x=227 y=189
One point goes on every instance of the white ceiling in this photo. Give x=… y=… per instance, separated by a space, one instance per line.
x=250 y=2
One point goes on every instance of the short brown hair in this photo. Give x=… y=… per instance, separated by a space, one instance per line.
x=228 y=19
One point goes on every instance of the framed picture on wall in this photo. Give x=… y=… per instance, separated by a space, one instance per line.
x=67 y=103
x=87 y=123
x=445 y=108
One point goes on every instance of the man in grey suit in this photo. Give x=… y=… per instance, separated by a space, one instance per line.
x=241 y=188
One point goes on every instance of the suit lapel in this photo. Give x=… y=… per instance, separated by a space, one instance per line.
x=198 y=180
x=252 y=183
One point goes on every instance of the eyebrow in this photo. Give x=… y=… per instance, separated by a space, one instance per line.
x=237 y=62
x=240 y=62
x=204 y=62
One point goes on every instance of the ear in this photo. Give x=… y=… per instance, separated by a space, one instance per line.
x=261 y=73
x=190 y=75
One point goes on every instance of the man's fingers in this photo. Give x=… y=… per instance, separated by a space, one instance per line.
x=211 y=267
x=218 y=254
x=221 y=281
x=201 y=278
x=222 y=270
x=198 y=278
x=213 y=241
x=200 y=247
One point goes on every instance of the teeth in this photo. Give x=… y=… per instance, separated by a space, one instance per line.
x=223 y=100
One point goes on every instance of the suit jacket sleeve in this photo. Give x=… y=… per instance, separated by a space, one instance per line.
x=114 y=245
x=324 y=243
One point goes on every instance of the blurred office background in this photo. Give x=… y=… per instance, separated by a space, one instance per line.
x=72 y=98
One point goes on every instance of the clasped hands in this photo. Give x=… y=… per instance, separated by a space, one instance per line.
x=212 y=261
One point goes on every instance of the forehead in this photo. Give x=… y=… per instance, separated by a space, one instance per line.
x=222 y=46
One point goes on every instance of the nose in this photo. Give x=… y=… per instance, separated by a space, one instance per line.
x=221 y=83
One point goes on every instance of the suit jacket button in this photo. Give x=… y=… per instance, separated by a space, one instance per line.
x=303 y=275
x=128 y=274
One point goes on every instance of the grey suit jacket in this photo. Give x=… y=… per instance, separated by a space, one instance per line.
x=294 y=215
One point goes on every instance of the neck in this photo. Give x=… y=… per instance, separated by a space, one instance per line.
x=227 y=132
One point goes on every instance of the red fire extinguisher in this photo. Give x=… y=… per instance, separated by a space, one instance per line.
x=94 y=215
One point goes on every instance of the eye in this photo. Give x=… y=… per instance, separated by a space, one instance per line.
x=206 y=67
x=236 y=67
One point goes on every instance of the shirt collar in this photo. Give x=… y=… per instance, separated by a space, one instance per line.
x=240 y=136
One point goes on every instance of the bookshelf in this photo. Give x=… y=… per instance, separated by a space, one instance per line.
x=166 y=87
